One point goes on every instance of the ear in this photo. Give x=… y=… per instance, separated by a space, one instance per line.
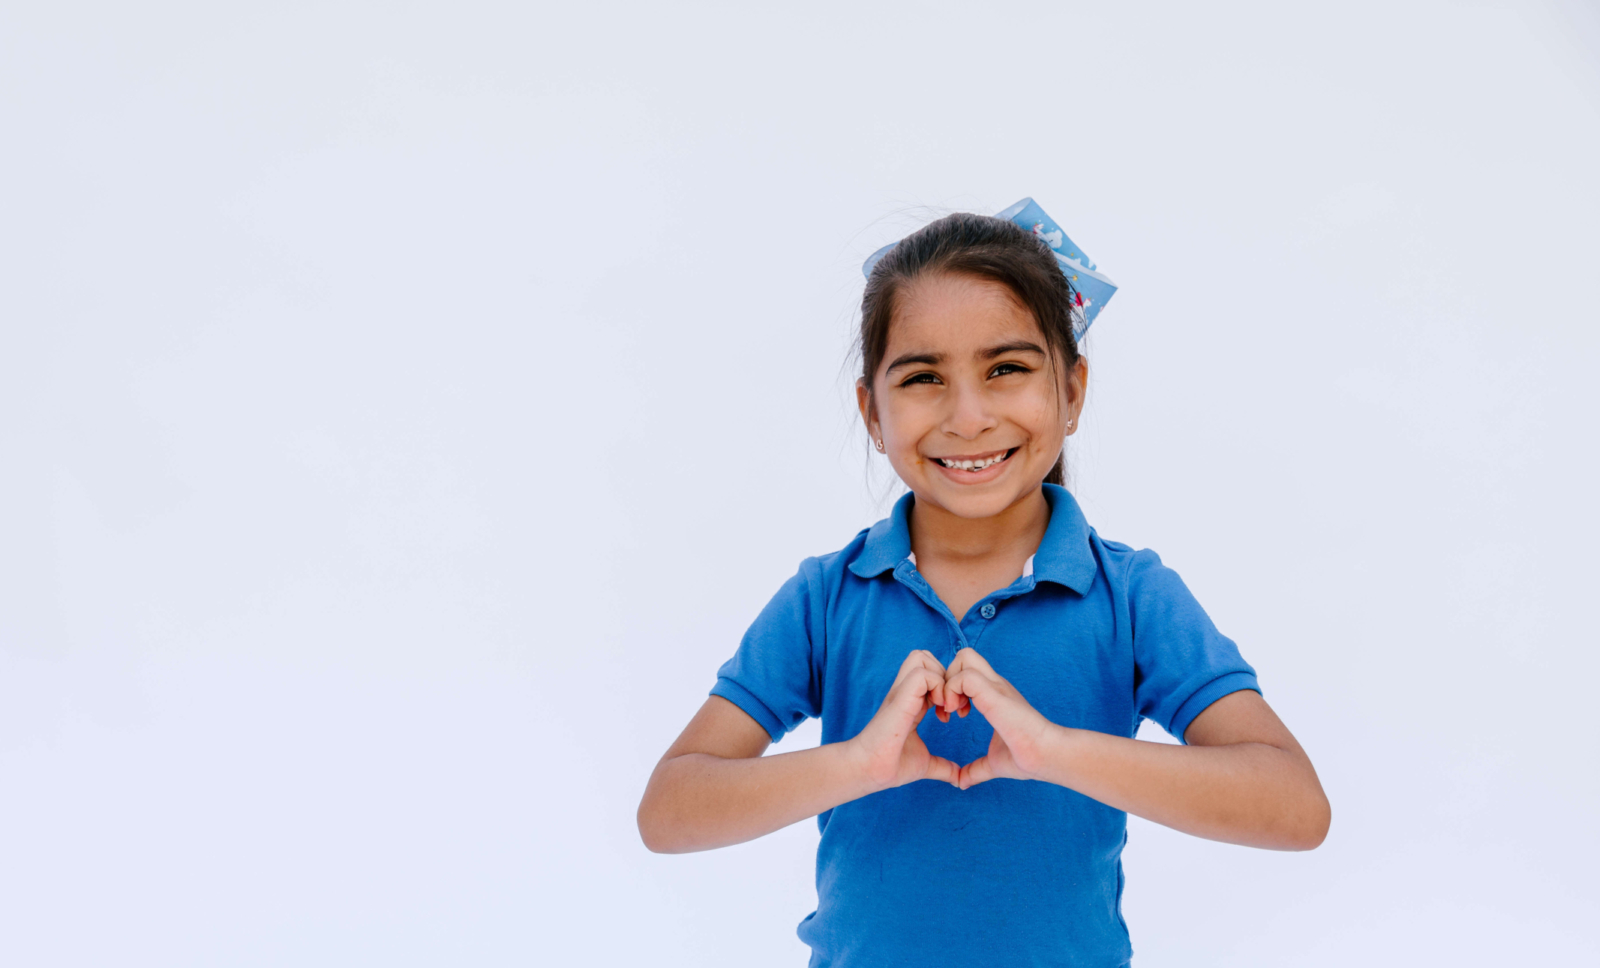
x=864 y=404
x=1076 y=387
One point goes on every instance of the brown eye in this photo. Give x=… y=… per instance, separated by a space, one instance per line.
x=920 y=378
x=1006 y=368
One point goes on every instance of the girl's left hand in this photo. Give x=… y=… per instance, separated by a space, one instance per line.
x=1017 y=750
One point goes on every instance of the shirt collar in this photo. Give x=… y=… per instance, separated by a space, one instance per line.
x=1064 y=556
x=888 y=542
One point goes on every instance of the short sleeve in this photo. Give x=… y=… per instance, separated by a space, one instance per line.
x=774 y=675
x=1182 y=664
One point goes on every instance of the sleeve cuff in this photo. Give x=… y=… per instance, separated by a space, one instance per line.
x=1205 y=696
x=755 y=708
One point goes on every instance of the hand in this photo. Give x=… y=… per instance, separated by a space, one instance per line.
x=1020 y=731
x=889 y=748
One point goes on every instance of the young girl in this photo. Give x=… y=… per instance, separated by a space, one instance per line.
x=992 y=829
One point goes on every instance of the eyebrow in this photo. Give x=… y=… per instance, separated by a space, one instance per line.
x=929 y=359
x=1020 y=346
x=934 y=359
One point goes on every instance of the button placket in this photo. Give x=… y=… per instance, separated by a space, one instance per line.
x=906 y=574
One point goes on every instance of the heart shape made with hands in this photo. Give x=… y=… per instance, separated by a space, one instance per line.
x=896 y=755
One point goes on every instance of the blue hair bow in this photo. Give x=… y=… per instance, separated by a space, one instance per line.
x=1091 y=288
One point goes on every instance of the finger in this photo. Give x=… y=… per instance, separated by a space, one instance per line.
x=915 y=692
x=953 y=697
x=959 y=703
x=976 y=772
x=932 y=664
x=915 y=659
x=971 y=685
x=940 y=768
x=968 y=658
x=923 y=660
x=915 y=668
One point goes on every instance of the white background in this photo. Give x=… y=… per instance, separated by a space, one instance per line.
x=405 y=408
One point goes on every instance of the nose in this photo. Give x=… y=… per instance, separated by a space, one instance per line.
x=969 y=415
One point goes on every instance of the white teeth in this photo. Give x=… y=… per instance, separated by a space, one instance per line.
x=973 y=465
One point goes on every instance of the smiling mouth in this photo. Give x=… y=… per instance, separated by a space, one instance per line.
x=975 y=464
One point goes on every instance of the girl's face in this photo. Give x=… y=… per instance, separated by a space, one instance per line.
x=964 y=402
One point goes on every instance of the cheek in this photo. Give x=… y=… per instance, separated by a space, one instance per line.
x=902 y=417
x=1042 y=414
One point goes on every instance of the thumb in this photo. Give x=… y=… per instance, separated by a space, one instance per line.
x=976 y=772
x=940 y=768
x=989 y=766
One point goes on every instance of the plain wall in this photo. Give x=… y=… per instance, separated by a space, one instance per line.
x=405 y=409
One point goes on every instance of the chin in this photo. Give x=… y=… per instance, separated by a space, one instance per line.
x=974 y=504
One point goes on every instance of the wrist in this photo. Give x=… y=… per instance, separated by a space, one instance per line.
x=1052 y=755
x=857 y=767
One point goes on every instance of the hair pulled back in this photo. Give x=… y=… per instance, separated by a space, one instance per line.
x=974 y=245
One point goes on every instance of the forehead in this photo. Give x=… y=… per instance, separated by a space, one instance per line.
x=958 y=315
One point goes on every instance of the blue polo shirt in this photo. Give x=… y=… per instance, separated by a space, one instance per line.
x=1010 y=872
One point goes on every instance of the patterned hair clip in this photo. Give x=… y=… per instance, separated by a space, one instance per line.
x=1091 y=289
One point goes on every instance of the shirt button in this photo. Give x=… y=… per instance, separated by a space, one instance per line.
x=987 y=611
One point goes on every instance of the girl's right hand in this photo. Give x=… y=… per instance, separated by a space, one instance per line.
x=889 y=749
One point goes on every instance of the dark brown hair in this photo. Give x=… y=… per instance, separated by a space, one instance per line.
x=982 y=246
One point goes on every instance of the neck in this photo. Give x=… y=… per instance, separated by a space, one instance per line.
x=1015 y=532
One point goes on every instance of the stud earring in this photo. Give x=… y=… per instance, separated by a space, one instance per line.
x=880 y=445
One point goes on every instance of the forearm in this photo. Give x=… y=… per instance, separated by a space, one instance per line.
x=698 y=801
x=1244 y=793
